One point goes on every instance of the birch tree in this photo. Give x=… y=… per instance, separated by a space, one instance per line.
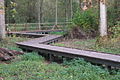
x=84 y=4
x=103 y=18
x=2 y=20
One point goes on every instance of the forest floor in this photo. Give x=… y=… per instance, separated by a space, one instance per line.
x=32 y=66
x=90 y=44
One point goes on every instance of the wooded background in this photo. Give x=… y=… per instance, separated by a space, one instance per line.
x=26 y=11
x=44 y=11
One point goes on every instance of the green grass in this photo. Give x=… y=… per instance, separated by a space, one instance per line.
x=9 y=42
x=85 y=42
x=58 y=33
x=58 y=44
x=111 y=50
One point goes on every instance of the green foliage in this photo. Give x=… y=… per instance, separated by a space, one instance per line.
x=77 y=69
x=113 y=11
x=27 y=11
x=31 y=66
x=87 y=20
x=31 y=57
x=115 y=31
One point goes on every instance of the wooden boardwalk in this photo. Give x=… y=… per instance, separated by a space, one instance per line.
x=95 y=57
x=39 y=44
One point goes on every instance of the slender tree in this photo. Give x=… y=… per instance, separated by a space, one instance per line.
x=2 y=20
x=71 y=1
x=56 y=13
x=40 y=6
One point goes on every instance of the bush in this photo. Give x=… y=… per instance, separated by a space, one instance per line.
x=87 y=20
x=85 y=24
x=114 y=31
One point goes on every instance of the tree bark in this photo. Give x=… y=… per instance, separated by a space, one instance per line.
x=41 y=13
x=103 y=18
x=56 y=13
x=40 y=5
x=2 y=20
x=71 y=8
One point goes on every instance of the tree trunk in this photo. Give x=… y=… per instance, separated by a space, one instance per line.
x=103 y=18
x=103 y=40
x=56 y=13
x=2 y=20
x=41 y=13
x=40 y=5
x=71 y=8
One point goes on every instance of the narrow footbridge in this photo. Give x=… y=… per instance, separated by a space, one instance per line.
x=40 y=44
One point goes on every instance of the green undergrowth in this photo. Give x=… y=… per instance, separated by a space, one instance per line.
x=31 y=66
x=9 y=42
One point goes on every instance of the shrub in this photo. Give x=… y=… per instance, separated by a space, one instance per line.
x=87 y=20
x=85 y=24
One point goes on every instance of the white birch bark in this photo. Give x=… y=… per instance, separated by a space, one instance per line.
x=103 y=19
x=2 y=20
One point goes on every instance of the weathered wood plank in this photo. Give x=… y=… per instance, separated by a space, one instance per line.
x=38 y=44
x=95 y=57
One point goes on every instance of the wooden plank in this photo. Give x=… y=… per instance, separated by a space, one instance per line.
x=75 y=51
x=95 y=57
x=42 y=39
x=38 y=44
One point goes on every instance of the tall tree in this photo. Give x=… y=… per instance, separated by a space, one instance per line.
x=2 y=20
x=40 y=6
x=56 y=13
x=103 y=18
